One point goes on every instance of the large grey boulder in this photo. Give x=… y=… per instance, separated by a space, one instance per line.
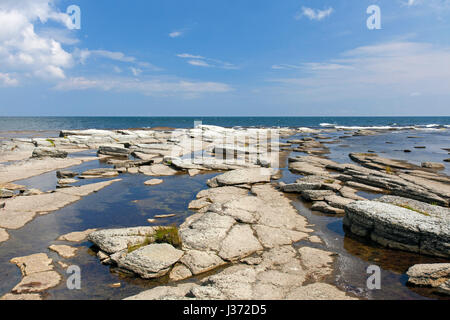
x=48 y=153
x=399 y=227
x=115 y=240
x=151 y=261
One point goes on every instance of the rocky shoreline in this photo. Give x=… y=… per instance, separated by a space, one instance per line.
x=244 y=229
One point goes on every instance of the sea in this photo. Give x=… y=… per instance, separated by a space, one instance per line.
x=74 y=123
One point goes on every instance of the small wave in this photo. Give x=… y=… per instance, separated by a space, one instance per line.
x=371 y=127
x=330 y=125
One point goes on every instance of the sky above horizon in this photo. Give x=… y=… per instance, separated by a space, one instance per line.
x=224 y=58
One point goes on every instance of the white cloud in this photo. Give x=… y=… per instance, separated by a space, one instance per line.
x=22 y=49
x=151 y=87
x=394 y=68
x=83 y=55
x=175 y=34
x=6 y=80
x=200 y=61
x=136 y=71
x=314 y=14
x=190 y=56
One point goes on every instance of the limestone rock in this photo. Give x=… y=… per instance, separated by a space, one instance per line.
x=318 y=291
x=241 y=176
x=157 y=170
x=115 y=151
x=21 y=297
x=239 y=243
x=316 y=195
x=77 y=236
x=34 y=263
x=49 y=152
x=399 y=228
x=115 y=240
x=201 y=261
x=180 y=272
x=153 y=182
x=324 y=207
x=37 y=282
x=432 y=275
x=151 y=261
x=63 y=250
x=433 y=165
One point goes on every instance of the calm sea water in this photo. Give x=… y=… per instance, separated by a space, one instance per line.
x=59 y=123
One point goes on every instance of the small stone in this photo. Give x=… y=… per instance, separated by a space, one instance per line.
x=77 y=236
x=115 y=285
x=315 y=239
x=162 y=216
x=101 y=255
x=433 y=165
x=67 y=181
x=63 y=250
x=444 y=288
x=193 y=172
x=65 y=174
x=153 y=182
x=180 y=272
x=6 y=193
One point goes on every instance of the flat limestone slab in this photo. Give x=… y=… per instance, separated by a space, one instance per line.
x=76 y=236
x=34 y=167
x=64 y=251
x=153 y=182
x=37 y=282
x=21 y=297
x=34 y=263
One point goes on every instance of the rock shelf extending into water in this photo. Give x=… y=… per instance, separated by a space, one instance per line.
x=245 y=240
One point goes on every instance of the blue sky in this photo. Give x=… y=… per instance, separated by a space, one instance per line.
x=223 y=58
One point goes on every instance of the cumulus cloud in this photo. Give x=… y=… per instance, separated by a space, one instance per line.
x=395 y=68
x=314 y=14
x=6 y=80
x=22 y=49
